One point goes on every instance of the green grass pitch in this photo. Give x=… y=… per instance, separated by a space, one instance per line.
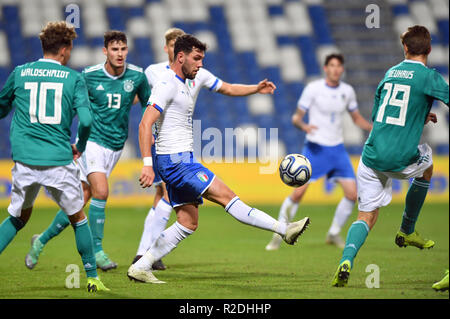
x=226 y=259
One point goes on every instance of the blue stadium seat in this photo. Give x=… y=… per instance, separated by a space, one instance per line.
x=319 y=21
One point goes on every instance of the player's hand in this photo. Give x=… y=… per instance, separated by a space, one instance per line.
x=431 y=117
x=309 y=129
x=75 y=152
x=266 y=87
x=147 y=177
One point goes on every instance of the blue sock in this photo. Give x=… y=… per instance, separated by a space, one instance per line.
x=413 y=204
x=83 y=238
x=59 y=223
x=97 y=222
x=8 y=230
x=356 y=237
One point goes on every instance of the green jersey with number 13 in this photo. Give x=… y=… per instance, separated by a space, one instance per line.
x=111 y=99
x=402 y=102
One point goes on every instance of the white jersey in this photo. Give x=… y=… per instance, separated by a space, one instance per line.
x=175 y=99
x=326 y=106
x=204 y=78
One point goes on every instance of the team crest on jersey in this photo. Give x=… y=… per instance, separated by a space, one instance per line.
x=128 y=85
x=203 y=177
x=191 y=84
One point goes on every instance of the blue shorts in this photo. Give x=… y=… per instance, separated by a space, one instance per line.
x=186 y=179
x=157 y=181
x=330 y=161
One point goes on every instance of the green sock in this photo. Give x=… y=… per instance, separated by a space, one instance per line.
x=8 y=230
x=83 y=238
x=97 y=222
x=59 y=223
x=413 y=204
x=356 y=237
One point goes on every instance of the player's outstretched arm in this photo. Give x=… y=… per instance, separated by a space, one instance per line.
x=263 y=87
x=151 y=114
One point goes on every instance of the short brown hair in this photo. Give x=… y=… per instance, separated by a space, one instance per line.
x=113 y=36
x=186 y=43
x=56 y=35
x=332 y=56
x=172 y=34
x=417 y=39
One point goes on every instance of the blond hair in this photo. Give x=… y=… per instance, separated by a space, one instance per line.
x=56 y=35
x=172 y=34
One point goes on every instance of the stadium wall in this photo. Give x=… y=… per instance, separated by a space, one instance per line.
x=244 y=179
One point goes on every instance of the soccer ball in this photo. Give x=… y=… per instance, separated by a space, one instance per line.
x=295 y=170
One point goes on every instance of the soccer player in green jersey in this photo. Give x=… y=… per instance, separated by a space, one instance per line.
x=47 y=95
x=112 y=88
x=402 y=105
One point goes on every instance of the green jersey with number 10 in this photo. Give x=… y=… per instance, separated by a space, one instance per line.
x=45 y=95
x=402 y=102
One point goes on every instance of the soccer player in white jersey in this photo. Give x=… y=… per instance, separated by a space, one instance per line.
x=326 y=100
x=158 y=217
x=171 y=106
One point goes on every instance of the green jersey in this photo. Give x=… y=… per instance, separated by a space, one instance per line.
x=45 y=95
x=111 y=100
x=402 y=102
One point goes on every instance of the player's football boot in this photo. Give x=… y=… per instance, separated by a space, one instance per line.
x=342 y=273
x=295 y=229
x=441 y=285
x=103 y=261
x=157 y=265
x=140 y=275
x=413 y=239
x=136 y=258
x=32 y=257
x=94 y=285
x=275 y=243
x=335 y=240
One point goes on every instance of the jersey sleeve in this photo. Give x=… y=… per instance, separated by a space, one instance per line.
x=151 y=76
x=352 y=103
x=436 y=87
x=81 y=95
x=7 y=95
x=162 y=94
x=210 y=81
x=306 y=98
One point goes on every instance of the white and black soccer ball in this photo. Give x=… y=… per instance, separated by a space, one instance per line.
x=295 y=170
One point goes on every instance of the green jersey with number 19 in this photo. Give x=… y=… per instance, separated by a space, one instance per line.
x=402 y=102
x=45 y=95
x=111 y=99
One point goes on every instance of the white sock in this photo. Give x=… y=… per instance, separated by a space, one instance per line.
x=144 y=244
x=166 y=242
x=159 y=222
x=254 y=217
x=287 y=211
x=341 y=215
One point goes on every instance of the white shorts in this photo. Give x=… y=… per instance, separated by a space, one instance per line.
x=62 y=183
x=375 y=187
x=97 y=158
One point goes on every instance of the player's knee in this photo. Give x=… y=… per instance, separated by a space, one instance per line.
x=351 y=196
x=101 y=194
x=428 y=173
